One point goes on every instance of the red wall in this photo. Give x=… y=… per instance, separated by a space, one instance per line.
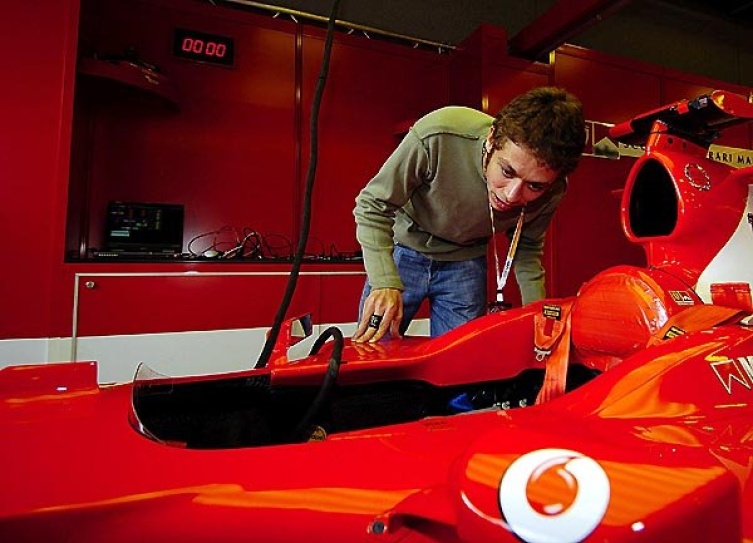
x=225 y=152
x=35 y=107
x=587 y=230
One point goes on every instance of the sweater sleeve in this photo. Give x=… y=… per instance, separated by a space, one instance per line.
x=529 y=271
x=379 y=201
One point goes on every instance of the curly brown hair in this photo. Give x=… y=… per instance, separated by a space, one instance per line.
x=548 y=121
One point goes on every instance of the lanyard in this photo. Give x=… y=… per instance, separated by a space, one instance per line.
x=505 y=272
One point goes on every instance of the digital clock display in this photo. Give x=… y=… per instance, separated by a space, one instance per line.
x=203 y=47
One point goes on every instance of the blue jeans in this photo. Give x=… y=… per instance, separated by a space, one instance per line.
x=456 y=290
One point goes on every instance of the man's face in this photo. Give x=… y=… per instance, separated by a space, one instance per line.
x=514 y=177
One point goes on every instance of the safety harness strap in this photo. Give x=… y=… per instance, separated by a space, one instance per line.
x=694 y=318
x=552 y=343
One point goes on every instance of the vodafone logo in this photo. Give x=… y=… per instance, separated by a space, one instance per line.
x=554 y=496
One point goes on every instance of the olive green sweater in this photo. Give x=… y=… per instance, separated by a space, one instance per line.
x=431 y=196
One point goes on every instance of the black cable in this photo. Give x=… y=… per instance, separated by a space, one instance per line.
x=283 y=251
x=311 y=174
x=330 y=378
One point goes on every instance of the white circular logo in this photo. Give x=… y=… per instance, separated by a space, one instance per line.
x=554 y=496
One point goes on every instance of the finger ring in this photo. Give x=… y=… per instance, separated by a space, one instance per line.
x=375 y=321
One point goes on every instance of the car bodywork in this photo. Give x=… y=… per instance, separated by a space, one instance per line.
x=653 y=441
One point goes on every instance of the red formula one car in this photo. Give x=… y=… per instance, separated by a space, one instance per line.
x=652 y=441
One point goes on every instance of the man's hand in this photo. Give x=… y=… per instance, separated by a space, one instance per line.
x=382 y=311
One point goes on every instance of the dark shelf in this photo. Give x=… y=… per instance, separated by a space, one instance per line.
x=194 y=259
x=130 y=75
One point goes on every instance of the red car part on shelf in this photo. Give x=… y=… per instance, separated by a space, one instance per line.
x=651 y=442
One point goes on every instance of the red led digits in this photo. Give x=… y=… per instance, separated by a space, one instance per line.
x=204 y=47
x=216 y=49
x=198 y=47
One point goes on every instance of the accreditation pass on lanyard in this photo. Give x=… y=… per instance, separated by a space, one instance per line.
x=504 y=273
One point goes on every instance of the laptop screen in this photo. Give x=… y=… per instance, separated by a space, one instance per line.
x=144 y=227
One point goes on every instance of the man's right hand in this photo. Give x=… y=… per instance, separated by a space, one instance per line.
x=386 y=303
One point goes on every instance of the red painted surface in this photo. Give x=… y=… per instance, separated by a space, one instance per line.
x=339 y=296
x=34 y=143
x=228 y=297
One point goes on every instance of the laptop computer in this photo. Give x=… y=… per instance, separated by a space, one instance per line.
x=140 y=230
